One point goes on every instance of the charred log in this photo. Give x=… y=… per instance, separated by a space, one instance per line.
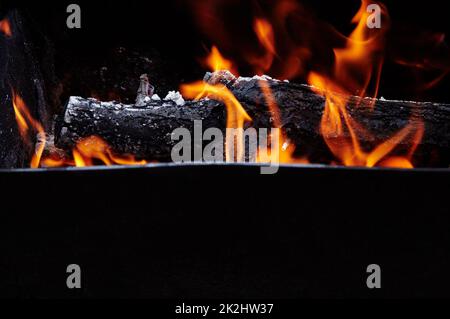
x=142 y=131
x=146 y=131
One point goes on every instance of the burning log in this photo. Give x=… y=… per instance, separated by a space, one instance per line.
x=146 y=130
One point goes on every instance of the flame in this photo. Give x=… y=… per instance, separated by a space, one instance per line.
x=264 y=31
x=265 y=35
x=281 y=57
x=283 y=150
x=5 y=27
x=216 y=62
x=90 y=150
x=357 y=65
x=84 y=154
x=236 y=114
x=26 y=124
x=54 y=161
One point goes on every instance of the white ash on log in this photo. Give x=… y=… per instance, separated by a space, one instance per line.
x=145 y=131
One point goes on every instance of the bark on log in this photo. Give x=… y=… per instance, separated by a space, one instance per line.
x=145 y=132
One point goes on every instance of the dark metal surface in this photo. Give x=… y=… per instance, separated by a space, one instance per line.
x=224 y=231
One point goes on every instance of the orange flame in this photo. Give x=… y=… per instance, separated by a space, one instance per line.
x=54 y=161
x=89 y=150
x=285 y=49
x=84 y=154
x=265 y=35
x=26 y=123
x=360 y=62
x=216 y=62
x=236 y=114
x=5 y=27
x=95 y=148
x=356 y=66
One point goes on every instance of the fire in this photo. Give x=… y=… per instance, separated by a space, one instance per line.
x=360 y=61
x=26 y=125
x=87 y=152
x=95 y=148
x=264 y=32
x=357 y=66
x=272 y=49
x=356 y=71
x=236 y=114
x=216 y=62
x=283 y=151
x=90 y=151
x=5 y=27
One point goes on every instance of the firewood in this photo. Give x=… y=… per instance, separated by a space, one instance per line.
x=145 y=131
